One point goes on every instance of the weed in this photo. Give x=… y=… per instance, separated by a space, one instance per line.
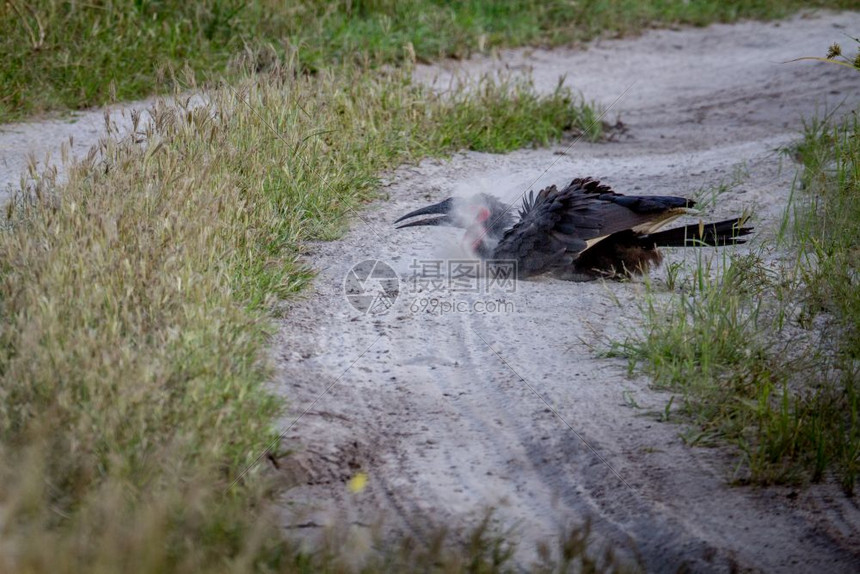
x=766 y=351
x=706 y=197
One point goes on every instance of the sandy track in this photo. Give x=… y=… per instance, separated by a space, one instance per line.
x=46 y=142
x=449 y=413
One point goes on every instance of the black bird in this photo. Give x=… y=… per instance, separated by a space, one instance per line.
x=581 y=232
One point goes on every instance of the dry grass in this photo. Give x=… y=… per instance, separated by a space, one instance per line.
x=136 y=299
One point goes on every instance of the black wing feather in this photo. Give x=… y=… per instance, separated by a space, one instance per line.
x=555 y=225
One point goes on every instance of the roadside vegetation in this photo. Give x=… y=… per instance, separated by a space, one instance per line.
x=136 y=298
x=59 y=55
x=763 y=348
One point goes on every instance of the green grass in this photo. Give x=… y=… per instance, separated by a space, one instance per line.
x=764 y=350
x=136 y=300
x=58 y=55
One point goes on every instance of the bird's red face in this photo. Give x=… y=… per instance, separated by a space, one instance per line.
x=473 y=239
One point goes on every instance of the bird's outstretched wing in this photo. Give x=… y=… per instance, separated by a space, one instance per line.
x=557 y=226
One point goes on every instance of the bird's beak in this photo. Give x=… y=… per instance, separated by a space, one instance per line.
x=443 y=208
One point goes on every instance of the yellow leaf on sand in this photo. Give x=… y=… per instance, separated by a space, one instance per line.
x=357 y=483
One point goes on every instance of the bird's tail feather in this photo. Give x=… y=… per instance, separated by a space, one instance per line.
x=728 y=232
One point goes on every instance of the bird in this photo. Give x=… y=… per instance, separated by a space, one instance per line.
x=581 y=232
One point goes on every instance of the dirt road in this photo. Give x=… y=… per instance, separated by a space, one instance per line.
x=493 y=399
